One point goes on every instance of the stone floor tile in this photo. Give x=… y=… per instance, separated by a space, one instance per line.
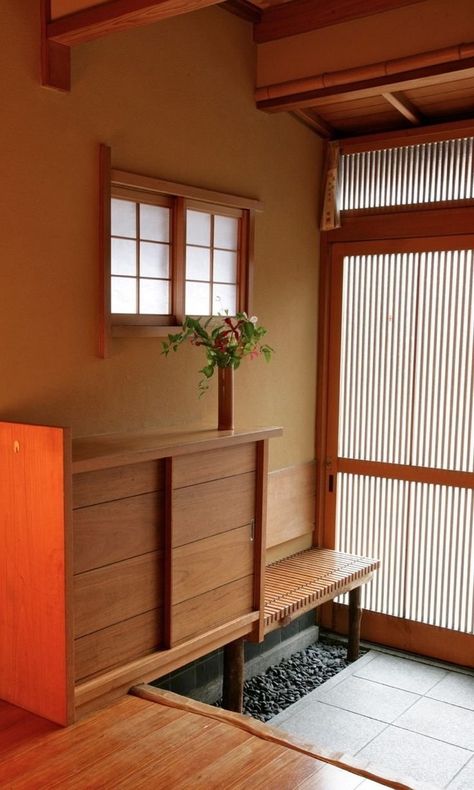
x=331 y=729
x=401 y=673
x=411 y=754
x=465 y=778
x=448 y=723
x=313 y=696
x=457 y=689
x=369 y=699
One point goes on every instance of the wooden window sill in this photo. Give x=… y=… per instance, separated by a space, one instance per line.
x=131 y=330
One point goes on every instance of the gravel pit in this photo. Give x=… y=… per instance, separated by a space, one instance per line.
x=285 y=683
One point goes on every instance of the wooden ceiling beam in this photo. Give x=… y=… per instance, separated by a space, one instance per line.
x=243 y=9
x=374 y=79
x=59 y=35
x=301 y=16
x=404 y=107
x=114 y=16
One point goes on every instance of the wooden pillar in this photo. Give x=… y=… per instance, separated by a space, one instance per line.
x=355 y=613
x=233 y=680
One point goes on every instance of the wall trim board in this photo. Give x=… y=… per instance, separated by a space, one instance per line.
x=291 y=503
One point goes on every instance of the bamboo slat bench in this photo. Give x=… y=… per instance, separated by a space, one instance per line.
x=296 y=585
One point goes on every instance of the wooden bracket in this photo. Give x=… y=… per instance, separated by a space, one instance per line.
x=55 y=57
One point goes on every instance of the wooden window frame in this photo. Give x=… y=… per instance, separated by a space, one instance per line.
x=138 y=188
x=408 y=137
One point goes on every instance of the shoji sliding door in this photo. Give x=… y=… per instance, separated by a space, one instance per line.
x=401 y=436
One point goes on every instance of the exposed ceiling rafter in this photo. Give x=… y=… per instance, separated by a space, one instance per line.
x=315 y=122
x=404 y=107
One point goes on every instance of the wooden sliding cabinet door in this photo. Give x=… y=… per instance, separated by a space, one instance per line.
x=400 y=437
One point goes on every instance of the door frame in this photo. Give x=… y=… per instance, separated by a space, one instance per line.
x=402 y=230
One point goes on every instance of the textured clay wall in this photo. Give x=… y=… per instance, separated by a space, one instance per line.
x=174 y=100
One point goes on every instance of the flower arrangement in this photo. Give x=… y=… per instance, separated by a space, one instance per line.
x=225 y=341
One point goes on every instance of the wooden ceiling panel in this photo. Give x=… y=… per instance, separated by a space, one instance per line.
x=458 y=86
x=357 y=109
x=369 y=125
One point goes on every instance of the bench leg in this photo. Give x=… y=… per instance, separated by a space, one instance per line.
x=233 y=680
x=355 y=613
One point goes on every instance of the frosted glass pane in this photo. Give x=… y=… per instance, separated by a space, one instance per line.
x=225 y=266
x=124 y=257
x=422 y=533
x=154 y=297
x=154 y=259
x=197 y=298
x=123 y=218
x=226 y=232
x=378 y=356
x=198 y=263
x=154 y=222
x=124 y=295
x=224 y=299
x=198 y=228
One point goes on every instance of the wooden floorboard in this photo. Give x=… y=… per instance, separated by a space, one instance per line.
x=161 y=741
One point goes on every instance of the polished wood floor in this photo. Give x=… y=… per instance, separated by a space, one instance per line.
x=161 y=741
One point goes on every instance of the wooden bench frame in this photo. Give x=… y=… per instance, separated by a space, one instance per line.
x=296 y=585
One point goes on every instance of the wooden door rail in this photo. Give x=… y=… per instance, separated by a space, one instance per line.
x=296 y=585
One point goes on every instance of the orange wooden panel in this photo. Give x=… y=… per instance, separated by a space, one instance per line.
x=209 y=508
x=207 y=564
x=202 y=467
x=114 y=531
x=33 y=574
x=206 y=611
x=108 y=595
x=105 y=485
x=117 y=644
x=291 y=503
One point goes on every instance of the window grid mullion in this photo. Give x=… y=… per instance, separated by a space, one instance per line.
x=138 y=211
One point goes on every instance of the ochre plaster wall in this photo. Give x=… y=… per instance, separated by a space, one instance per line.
x=174 y=100
x=426 y=26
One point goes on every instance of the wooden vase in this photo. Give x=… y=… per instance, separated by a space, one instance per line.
x=225 y=397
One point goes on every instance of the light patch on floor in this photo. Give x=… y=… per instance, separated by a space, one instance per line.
x=402 y=714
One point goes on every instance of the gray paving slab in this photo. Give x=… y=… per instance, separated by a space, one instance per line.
x=332 y=729
x=464 y=780
x=448 y=723
x=455 y=688
x=401 y=673
x=412 y=754
x=370 y=699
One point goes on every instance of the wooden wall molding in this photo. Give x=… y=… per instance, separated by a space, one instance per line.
x=290 y=503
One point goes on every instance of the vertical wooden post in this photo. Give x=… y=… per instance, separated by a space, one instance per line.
x=233 y=680
x=55 y=57
x=355 y=614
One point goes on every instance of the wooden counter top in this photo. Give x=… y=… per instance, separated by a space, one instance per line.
x=115 y=449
